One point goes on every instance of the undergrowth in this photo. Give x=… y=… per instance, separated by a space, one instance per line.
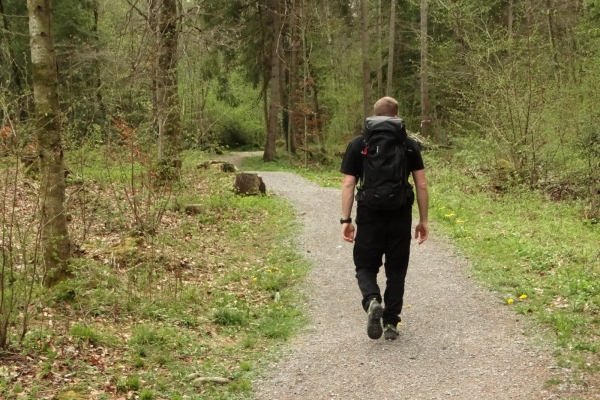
x=145 y=314
x=541 y=255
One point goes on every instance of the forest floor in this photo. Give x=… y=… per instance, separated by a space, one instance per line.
x=457 y=340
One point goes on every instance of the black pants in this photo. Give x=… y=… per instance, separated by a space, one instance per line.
x=383 y=233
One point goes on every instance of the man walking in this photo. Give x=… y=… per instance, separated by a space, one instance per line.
x=381 y=160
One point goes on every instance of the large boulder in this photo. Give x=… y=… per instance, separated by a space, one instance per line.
x=249 y=184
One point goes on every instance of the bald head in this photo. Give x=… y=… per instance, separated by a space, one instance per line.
x=386 y=107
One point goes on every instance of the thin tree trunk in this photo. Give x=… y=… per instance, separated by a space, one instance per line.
x=293 y=98
x=16 y=73
x=552 y=41
x=305 y=82
x=318 y=118
x=390 y=72
x=55 y=235
x=379 y=50
x=98 y=101
x=425 y=117
x=169 y=108
x=366 y=68
x=511 y=18
x=153 y=26
x=270 y=150
x=284 y=77
x=458 y=36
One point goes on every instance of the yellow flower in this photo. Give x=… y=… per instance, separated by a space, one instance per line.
x=510 y=301
x=523 y=296
x=269 y=270
x=449 y=215
x=255 y=279
x=269 y=253
x=459 y=221
x=442 y=208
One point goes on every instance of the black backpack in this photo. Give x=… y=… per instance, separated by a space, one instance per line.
x=384 y=183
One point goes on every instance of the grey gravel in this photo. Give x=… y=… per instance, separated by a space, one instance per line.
x=457 y=340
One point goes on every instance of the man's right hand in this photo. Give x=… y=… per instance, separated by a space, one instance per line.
x=348 y=232
x=422 y=232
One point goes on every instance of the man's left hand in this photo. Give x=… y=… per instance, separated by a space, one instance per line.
x=348 y=232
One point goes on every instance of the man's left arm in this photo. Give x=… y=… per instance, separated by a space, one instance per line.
x=348 y=186
x=422 y=229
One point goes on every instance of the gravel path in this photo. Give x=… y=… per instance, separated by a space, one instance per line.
x=457 y=339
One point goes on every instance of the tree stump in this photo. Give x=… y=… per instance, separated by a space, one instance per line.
x=249 y=184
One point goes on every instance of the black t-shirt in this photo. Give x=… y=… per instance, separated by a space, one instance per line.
x=352 y=164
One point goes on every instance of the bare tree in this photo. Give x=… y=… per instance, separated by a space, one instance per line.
x=270 y=151
x=167 y=97
x=390 y=72
x=366 y=67
x=55 y=235
x=425 y=121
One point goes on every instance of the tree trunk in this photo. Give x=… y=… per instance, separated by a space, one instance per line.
x=98 y=101
x=293 y=81
x=390 y=73
x=167 y=96
x=284 y=78
x=366 y=68
x=511 y=18
x=153 y=26
x=16 y=73
x=55 y=235
x=305 y=83
x=379 y=49
x=425 y=117
x=270 y=151
x=549 y=13
x=458 y=35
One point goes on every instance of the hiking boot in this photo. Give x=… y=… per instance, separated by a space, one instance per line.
x=374 y=314
x=390 y=332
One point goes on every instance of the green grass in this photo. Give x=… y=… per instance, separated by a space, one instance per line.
x=540 y=255
x=229 y=317
x=211 y=294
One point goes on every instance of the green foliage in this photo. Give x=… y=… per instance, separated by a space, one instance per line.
x=516 y=242
x=147 y=335
x=229 y=317
x=86 y=334
x=146 y=394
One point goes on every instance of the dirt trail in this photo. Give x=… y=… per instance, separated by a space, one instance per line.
x=457 y=339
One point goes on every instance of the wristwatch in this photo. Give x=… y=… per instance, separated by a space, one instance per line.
x=345 y=221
